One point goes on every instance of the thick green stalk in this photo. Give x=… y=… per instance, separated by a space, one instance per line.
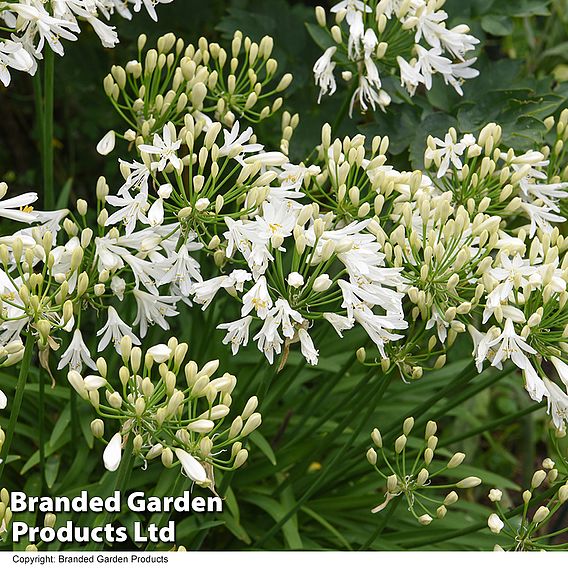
x=18 y=397
x=47 y=142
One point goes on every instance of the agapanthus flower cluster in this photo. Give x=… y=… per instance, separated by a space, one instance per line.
x=484 y=175
x=441 y=252
x=180 y=419
x=409 y=474
x=538 y=524
x=172 y=80
x=373 y=41
x=524 y=318
x=39 y=281
x=35 y=24
x=301 y=269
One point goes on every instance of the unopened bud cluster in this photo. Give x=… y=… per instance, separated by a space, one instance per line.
x=168 y=410
x=410 y=476
x=538 y=522
x=171 y=80
x=5 y=512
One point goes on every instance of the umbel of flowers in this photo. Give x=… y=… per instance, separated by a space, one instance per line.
x=166 y=83
x=531 y=526
x=409 y=473
x=372 y=41
x=169 y=410
x=34 y=25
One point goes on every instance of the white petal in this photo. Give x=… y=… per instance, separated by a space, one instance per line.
x=3 y=401
x=94 y=382
x=106 y=145
x=160 y=353
x=113 y=453
x=192 y=468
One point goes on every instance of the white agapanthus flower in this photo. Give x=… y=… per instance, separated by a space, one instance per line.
x=77 y=354
x=13 y=55
x=323 y=73
x=34 y=23
x=436 y=50
x=164 y=147
x=17 y=208
x=114 y=330
x=153 y=309
x=113 y=453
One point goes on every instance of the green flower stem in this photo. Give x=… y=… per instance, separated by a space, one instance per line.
x=47 y=141
x=38 y=101
x=529 y=454
x=41 y=420
x=75 y=434
x=121 y=481
x=18 y=397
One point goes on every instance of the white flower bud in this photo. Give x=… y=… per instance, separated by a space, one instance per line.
x=495 y=495
x=371 y=456
x=160 y=353
x=115 y=400
x=202 y=203
x=251 y=424
x=392 y=483
x=400 y=444
x=456 y=460
x=241 y=458
x=98 y=428
x=408 y=425
x=537 y=479
x=451 y=498
x=468 y=483
x=107 y=143
x=322 y=283
x=201 y=426
x=494 y=523
x=49 y=520
x=541 y=514
x=547 y=463
x=250 y=407
x=431 y=429
x=376 y=437
x=422 y=477
x=295 y=280
x=113 y=453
